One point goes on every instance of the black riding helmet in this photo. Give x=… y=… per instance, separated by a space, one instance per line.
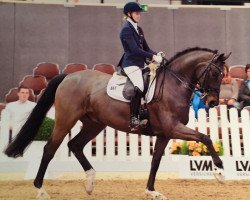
x=132 y=7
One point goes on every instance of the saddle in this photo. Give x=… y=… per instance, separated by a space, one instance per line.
x=128 y=90
x=121 y=88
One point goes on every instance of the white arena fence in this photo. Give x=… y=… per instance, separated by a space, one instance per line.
x=113 y=150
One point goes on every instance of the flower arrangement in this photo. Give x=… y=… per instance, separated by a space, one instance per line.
x=193 y=148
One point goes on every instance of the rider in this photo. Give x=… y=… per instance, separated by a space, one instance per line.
x=136 y=50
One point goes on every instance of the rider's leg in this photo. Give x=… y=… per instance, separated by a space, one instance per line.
x=135 y=75
x=134 y=109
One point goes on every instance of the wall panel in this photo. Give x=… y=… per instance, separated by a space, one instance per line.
x=94 y=35
x=238 y=35
x=33 y=33
x=41 y=35
x=6 y=48
x=199 y=27
x=157 y=24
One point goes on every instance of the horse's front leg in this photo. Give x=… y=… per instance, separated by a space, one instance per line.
x=184 y=133
x=160 y=145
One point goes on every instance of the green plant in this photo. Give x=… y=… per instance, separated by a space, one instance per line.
x=45 y=130
x=184 y=148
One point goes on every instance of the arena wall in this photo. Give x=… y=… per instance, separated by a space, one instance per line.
x=33 y=33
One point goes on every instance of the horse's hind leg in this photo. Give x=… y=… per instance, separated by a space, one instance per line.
x=61 y=128
x=76 y=145
x=48 y=153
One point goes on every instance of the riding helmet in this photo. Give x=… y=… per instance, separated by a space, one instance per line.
x=132 y=7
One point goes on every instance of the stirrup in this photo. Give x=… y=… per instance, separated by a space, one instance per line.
x=134 y=123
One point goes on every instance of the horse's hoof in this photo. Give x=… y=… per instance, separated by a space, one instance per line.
x=90 y=177
x=155 y=195
x=219 y=174
x=42 y=194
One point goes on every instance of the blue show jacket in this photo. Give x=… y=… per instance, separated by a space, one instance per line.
x=136 y=49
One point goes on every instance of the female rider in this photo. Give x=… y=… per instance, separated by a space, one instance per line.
x=136 y=50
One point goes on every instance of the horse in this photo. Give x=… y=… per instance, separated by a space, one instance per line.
x=82 y=96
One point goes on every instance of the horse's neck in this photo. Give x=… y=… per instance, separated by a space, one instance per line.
x=186 y=65
x=185 y=68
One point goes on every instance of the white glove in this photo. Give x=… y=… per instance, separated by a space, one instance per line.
x=161 y=54
x=157 y=58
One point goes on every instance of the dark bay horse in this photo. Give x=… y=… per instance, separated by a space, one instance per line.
x=82 y=96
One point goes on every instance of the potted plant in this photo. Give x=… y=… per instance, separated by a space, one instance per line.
x=35 y=150
x=45 y=130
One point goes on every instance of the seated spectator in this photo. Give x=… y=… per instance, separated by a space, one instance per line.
x=244 y=94
x=229 y=90
x=19 y=110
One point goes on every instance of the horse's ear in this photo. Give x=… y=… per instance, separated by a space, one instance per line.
x=220 y=57
x=225 y=57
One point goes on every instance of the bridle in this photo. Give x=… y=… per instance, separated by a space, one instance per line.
x=201 y=86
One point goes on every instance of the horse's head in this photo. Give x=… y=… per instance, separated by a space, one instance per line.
x=195 y=66
x=209 y=78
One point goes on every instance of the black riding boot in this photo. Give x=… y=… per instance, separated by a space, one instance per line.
x=134 y=110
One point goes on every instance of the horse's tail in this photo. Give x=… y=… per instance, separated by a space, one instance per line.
x=29 y=130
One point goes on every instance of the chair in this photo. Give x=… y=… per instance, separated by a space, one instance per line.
x=239 y=81
x=2 y=106
x=237 y=72
x=37 y=83
x=106 y=68
x=12 y=95
x=40 y=94
x=49 y=70
x=74 y=67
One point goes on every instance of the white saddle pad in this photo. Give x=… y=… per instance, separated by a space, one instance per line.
x=117 y=83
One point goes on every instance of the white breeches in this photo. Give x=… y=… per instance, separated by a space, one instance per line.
x=135 y=75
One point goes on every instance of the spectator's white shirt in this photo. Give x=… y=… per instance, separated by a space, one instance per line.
x=19 y=112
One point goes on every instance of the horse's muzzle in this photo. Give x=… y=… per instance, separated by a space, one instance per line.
x=212 y=99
